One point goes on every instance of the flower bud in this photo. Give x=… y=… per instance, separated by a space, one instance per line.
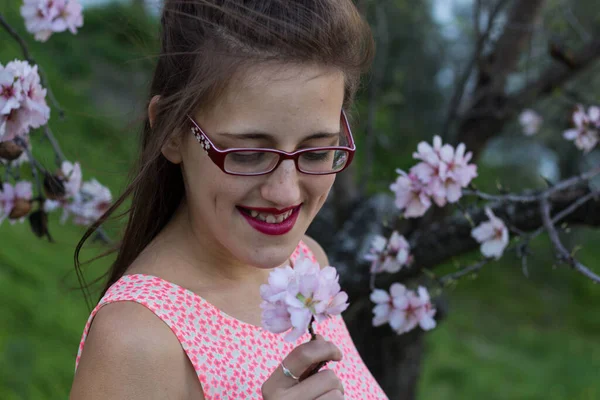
x=39 y=223
x=9 y=150
x=54 y=187
x=20 y=209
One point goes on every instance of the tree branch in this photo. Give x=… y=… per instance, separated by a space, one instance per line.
x=441 y=241
x=459 y=90
x=493 y=72
x=563 y=254
x=554 y=77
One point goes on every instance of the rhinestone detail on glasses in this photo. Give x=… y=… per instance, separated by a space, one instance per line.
x=201 y=139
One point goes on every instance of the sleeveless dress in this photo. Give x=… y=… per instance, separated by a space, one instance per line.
x=232 y=358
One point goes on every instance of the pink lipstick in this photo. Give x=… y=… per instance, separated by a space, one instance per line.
x=273 y=229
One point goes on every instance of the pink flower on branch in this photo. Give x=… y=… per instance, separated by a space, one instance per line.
x=530 y=122
x=403 y=309
x=492 y=234
x=389 y=256
x=411 y=195
x=440 y=176
x=45 y=17
x=295 y=297
x=586 y=133
x=22 y=104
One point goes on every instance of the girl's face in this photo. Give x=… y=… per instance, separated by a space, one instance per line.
x=286 y=105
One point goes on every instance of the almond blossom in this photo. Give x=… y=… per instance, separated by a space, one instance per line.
x=492 y=234
x=586 y=133
x=15 y=201
x=389 y=256
x=440 y=176
x=530 y=122
x=22 y=102
x=411 y=195
x=86 y=203
x=44 y=17
x=403 y=309
x=92 y=201
x=294 y=297
x=10 y=91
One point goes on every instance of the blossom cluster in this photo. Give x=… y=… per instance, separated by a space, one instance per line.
x=22 y=100
x=45 y=17
x=403 y=309
x=15 y=201
x=295 y=296
x=389 y=255
x=86 y=201
x=586 y=133
x=440 y=176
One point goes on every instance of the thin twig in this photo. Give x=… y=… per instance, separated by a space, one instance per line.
x=60 y=157
x=465 y=271
x=537 y=196
x=575 y=24
x=34 y=170
x=562 y=253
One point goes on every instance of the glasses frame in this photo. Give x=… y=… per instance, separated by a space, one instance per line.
x=218 y=155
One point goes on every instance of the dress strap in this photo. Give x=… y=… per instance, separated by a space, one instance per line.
x=302 y=250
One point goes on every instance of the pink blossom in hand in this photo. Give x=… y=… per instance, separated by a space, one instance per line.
x=295 y=296
x=530 y=122
x=586 y=133
x=276 y=317
x=492 y=234
x=411 y=195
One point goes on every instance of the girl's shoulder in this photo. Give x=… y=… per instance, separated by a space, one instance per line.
x=131 y=353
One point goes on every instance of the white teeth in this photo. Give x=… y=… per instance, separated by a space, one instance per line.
x=271 y=218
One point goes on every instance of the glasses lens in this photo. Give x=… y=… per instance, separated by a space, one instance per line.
x=323 y=161
x=250 y=162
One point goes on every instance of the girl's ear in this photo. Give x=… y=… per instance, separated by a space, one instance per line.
x=171 y=149
x=152 y=109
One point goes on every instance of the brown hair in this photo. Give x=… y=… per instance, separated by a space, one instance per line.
x=203 y=44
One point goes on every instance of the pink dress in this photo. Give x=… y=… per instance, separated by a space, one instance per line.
x=233 y=358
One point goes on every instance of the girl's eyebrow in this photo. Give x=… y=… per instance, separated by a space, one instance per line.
x=263 y=135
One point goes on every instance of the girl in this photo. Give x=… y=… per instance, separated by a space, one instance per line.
x=246 y=131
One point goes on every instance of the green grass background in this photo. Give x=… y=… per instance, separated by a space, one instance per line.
x=506 y=337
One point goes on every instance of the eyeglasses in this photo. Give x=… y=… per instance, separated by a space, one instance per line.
x=261 y=161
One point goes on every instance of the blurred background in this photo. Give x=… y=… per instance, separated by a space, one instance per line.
x=503 y=335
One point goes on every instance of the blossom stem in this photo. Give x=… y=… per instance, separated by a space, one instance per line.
x=313 y=335
x=312 y=369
